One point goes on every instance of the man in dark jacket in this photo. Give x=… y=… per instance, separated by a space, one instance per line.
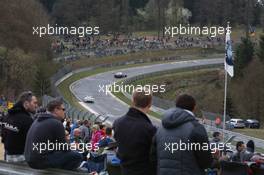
x=181 y=143
x=134 y=133
x=46 y=145
x=16 y=125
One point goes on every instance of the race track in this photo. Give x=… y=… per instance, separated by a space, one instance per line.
x=106 y=103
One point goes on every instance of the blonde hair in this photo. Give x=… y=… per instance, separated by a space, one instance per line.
x=95 y=127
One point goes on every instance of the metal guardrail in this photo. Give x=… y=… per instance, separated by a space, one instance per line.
x=68 y=71
x=58 y=77
x=259 y=143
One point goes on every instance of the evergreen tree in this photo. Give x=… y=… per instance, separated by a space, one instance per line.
x=260 y=52
x=244 y=55
x=41 y=81
x=230 y=108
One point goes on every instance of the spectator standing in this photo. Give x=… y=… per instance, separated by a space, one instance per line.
x=85 y=131
x=134 y=133
x=179 y=126
x=96 y=136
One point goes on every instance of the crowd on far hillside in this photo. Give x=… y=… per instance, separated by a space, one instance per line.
x=94 y=46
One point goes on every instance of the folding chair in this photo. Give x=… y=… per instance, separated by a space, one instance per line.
x=97 y=162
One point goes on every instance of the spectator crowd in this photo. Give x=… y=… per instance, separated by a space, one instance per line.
x=48 y=139
x=94 y=46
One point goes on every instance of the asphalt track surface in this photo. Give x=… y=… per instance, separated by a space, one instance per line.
x=106 y=103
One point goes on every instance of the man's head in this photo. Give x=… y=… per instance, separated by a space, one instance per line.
x=29 y=101
x=240 y=146
x=217 y=135
x=142 y=99
x=251 y=145
x=95 y=128
x=108 y=131
x=57 y=108
x=86 y=123
x=186 y=102
x=102 y=126
x=76 y=132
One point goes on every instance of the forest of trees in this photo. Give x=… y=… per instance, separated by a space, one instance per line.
x=133 y=15
x=246 y=94
x=23 y=56
x=26 y=60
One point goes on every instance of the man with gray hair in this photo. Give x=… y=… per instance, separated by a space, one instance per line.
x=133 y=133
x=16 y=125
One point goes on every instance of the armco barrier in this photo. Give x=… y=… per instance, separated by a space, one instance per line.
x=67 y=71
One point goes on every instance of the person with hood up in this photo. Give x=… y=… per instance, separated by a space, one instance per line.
x=16 y=125
x=181 y=144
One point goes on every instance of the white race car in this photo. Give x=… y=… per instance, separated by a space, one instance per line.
x=88 y=99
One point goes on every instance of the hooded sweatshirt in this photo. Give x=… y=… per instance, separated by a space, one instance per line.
x=174 y=156
x=47 y=131
x=15 y=127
